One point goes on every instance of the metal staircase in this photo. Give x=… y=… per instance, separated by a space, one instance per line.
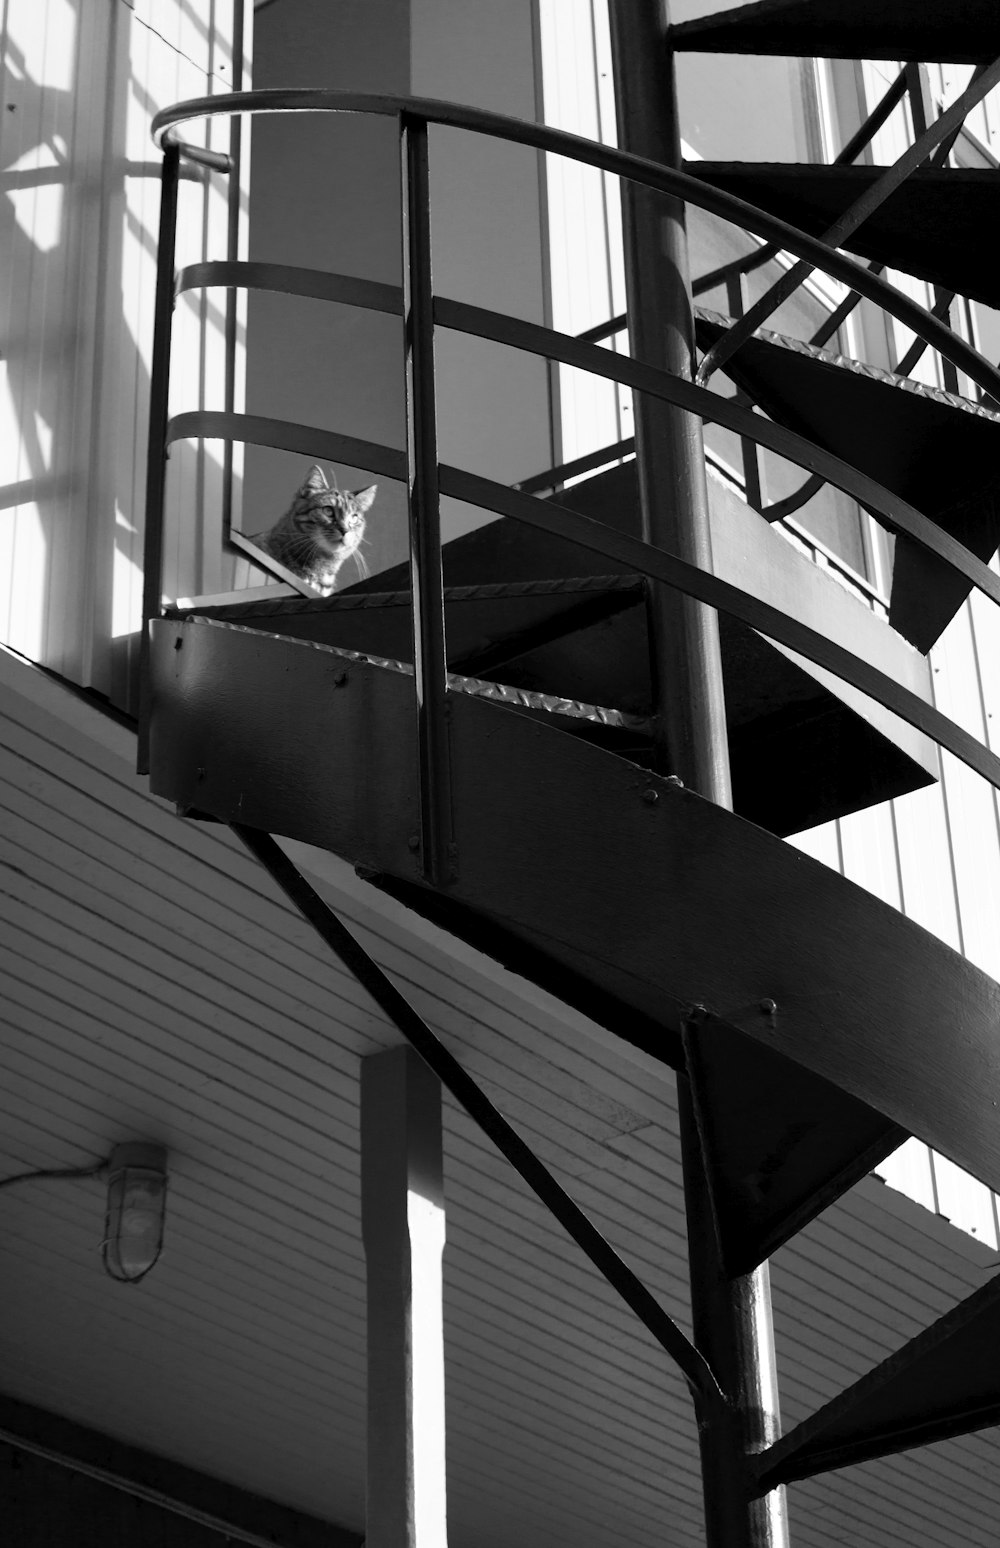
x=528 y=804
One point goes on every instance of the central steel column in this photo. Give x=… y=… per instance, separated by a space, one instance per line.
x=732 y=1322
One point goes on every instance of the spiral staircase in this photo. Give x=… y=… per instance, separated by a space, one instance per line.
x=817 y=1026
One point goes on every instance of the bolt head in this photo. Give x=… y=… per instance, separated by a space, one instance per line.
x=768 y=1007
x=650 y=797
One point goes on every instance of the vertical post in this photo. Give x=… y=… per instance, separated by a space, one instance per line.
x=437 y=850
x=731 y=1317
x=753 y=483
x=233 y=221
x=684 y=634
x=156 y=450
x=402 y=1218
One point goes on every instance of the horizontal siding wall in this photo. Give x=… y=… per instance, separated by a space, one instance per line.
x=78 y=224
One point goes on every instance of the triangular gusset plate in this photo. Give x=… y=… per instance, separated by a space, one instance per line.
x=944 y=1382
x=939 y=452
x=778 y=1142
x=961 y=32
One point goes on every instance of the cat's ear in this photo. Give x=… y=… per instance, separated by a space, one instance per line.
x=365 y=498
x=315 y=479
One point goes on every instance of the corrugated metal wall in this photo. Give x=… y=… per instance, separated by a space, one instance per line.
x=78 y=221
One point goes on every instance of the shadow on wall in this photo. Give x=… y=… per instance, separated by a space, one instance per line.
x=78 y=226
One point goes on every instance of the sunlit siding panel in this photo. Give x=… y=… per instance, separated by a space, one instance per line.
x=944 y=843
x=78 y=225
x=584 y=215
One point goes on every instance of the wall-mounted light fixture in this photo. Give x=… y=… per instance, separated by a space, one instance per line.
x=137 y=1202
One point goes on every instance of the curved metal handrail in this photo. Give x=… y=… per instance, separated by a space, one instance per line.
x=428 y=478
x=638 y=169
x=644 y=558
x=896 y=513
x=513 y=332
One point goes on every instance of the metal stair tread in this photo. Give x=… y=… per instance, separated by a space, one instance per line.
x=932 y=226
x=963 y=32
x=942 y=1383
x=936 y=450
x=499 y=693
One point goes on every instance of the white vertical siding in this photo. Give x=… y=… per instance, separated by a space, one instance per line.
x=584 y=215
x=78 y=224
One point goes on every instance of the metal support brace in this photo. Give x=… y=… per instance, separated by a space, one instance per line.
x=731 y=1317
x=156 y=455
x=695 y=1369
x=437 y=853
x=853 y=217
x=670 y=455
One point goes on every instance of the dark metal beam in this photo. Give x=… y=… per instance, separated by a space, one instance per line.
x=437 y=849
x=732 y=1317
x=943 y=1383
x=670 y=454
x=156 y=450
x=235 y=1514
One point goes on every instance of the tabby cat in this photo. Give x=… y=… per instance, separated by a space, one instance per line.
x=320 y=529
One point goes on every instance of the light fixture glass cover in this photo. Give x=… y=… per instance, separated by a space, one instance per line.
x=137 y=1200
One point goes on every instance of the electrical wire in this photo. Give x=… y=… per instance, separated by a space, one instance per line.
x=93 y=1170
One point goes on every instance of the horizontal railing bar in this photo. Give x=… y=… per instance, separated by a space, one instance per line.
x=292 y=281
x=604 y=330
x=283 y=435
x=606 y=158
x=779 y=509
x=896 y=513
x=645 y=559
x=595 y=459
x=879 y=115
x=734 y=267
x=216 y=161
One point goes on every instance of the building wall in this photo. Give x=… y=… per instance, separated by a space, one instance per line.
x=325 y=194
x=78 y=221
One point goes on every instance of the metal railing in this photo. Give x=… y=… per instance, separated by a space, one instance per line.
x=427 y=479
x=936 y=145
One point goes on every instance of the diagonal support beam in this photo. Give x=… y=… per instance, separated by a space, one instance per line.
x=943 y=1383
x=453 y=1077
x=853 y=217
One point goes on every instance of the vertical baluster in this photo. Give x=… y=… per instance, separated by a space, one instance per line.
x=156 y=450
x=731 y=1315
x=424 y=499
x=753 y=480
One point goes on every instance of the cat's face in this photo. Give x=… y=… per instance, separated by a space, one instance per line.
x=333 y=519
